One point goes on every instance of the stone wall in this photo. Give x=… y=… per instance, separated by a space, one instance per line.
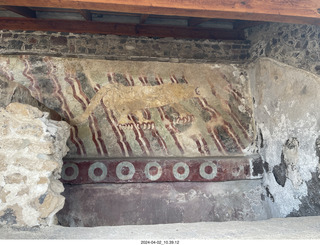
x=121 y=47
x=286 y=92
x=295 y=45
x=31 y=152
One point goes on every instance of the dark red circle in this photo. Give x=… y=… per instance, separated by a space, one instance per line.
x=181 y=170
x=69 y=171
x=125 y=170
x=208 y=169
x=153 y=170
x=97 y=171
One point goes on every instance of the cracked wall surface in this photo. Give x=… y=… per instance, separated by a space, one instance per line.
x=287 y=115
x=138 y=109
x=286 y=94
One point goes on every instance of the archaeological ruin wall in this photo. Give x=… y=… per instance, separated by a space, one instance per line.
x=167 y=131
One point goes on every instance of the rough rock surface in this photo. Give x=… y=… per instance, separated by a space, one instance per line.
x=31 y=151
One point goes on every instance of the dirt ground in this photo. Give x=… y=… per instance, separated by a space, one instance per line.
x=281 y=228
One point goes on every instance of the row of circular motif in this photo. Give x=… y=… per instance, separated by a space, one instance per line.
x=129 y=165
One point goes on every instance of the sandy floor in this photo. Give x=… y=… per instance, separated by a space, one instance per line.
x=285 y=228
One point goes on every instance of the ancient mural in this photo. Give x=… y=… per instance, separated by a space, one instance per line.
x=141 y=109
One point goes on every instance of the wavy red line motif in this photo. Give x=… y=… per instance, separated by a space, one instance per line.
x=65 y=108
x=81 y=97
x=225 y=125
x=168 y=123
x=34 y=86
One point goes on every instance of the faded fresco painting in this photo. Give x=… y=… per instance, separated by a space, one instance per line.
x=141 y=109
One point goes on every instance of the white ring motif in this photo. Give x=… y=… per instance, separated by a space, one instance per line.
x=119 y=173
x=74 y=174
x=147 y=169
x=203 y=171
x=179 y=176
x=93 y=167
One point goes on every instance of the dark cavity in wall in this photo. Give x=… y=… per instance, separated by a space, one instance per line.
x=269 y=194
x=257 y=166
x=279 y=172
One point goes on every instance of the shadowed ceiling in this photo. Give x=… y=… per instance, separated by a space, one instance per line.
x=202 y=19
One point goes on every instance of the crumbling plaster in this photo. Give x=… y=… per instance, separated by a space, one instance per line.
x=287 y=116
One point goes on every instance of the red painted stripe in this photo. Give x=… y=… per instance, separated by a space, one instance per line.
x=120 y=143
x=206 y=148
x=172 y=80
x=139 y=136
x=34 y=86
x=64 y=106
x=185 y=80
x=233 y=135
x=225 y=125
x=244 y=131
x=94 y=139
x=161 y=142
x=103 y=145
x=155 y=132
x=198 y=144
x=168 y=123
x=84 y=101
x=123 y=135
x=215 y=133
x=142 y=81
x=234 y=117
x=139 y=133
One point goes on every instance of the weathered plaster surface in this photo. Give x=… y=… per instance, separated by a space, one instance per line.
x=287 y=115
x=134 y=109
x=162 y=203
x=31 y=152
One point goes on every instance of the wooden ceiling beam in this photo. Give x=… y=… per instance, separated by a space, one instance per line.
x=23 y=11
x=93 y=27
x=293 y=11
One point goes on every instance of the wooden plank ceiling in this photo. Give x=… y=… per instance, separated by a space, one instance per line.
x=201 y=19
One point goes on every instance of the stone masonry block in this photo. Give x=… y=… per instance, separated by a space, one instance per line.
x=31 y=151
x=15 y=178
x=24 y=110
